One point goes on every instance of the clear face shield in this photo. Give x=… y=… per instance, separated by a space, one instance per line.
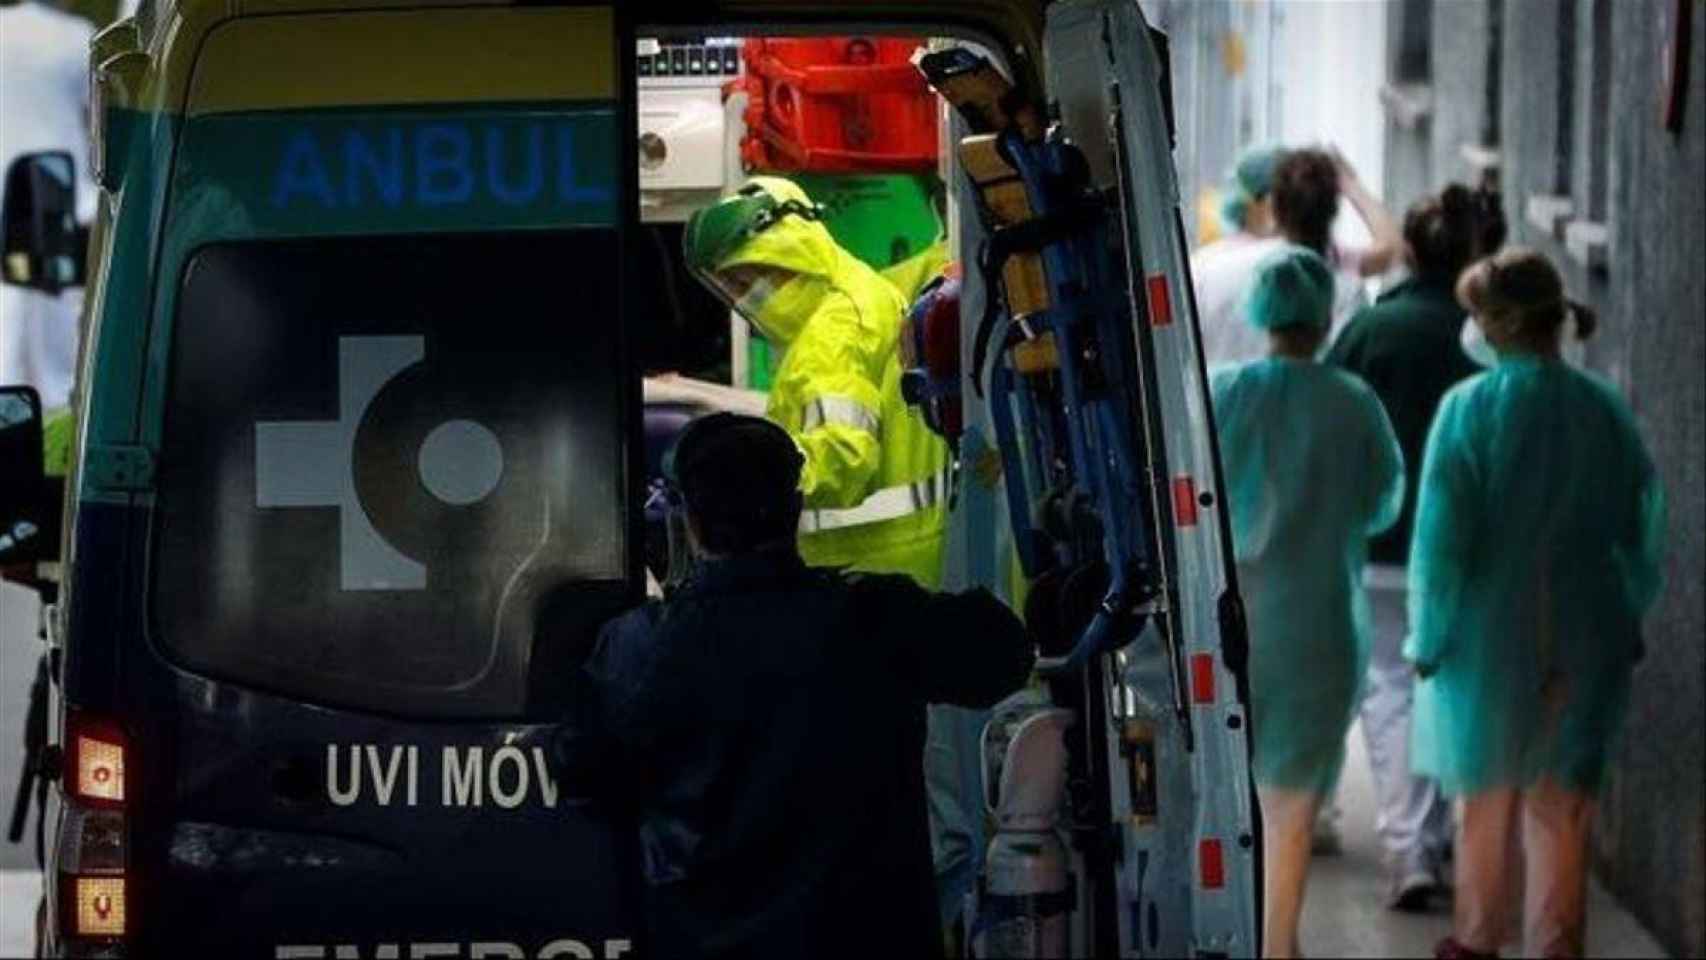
x=745 y=289
x=718 y=232
x=683 y=555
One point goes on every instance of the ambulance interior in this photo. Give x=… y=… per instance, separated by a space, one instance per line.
x=848 y=118
x=1099 y=740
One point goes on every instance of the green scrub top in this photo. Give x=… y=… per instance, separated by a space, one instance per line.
x=1538 y=545
x=1312 y=469
x=1405 y=346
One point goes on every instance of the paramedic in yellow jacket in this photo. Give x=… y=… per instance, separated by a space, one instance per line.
x=875 y=477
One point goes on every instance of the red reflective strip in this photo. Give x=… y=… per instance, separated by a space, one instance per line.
x=1184 y=501
x=1202 y=677
x=1212 y=863
x=1160 y=304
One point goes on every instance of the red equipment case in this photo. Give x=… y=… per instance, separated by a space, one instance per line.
x=837 y=105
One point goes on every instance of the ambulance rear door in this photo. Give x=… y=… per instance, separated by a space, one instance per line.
x=1190 y=869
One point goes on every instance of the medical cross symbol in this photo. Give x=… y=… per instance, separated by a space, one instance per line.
x=312 y=463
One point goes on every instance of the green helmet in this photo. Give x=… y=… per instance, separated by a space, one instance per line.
x=716 y=233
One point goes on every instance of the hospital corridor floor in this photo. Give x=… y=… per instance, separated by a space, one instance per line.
x=1345 y=915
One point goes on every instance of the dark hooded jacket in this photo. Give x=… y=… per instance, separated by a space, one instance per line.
x=767 y=725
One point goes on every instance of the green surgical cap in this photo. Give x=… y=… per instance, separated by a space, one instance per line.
x=1254 y=171
x=1252 y=178
x=1293 y=287
x=1234 y=206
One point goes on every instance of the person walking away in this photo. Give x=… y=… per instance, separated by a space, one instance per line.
x=1537 y=550
x=1307 y=186
x=1405 y=347
x=44 y=53
x=766 y=722
x=1312 y=470
x=1221 y=271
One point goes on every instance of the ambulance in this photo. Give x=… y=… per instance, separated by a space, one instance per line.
x=386 y=326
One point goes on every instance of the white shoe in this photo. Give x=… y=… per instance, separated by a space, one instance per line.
x=1411 y=887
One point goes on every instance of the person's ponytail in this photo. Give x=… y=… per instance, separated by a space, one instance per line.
x=1517 y=296
x=1587 y=319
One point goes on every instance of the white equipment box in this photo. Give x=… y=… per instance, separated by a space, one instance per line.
x=681 y=116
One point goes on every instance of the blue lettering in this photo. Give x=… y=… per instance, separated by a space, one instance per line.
x=443 y=173
x=568 y=190
x=534 y=178
x=383 y=171
x=303 y=171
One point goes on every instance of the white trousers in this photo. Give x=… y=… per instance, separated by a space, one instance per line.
x=1412 y=819
x=1287 y=819
x=1538 y=837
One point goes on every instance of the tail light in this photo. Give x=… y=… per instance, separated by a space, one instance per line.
x=96 y=767
x=100 y=906
x=93 y=847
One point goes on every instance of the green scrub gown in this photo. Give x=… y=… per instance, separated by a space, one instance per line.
x=1537 y=549
x=1312 y=470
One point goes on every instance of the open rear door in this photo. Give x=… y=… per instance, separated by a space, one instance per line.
x=1190 y=875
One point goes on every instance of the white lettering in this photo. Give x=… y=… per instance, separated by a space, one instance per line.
x=547 y=786
x=566 y=948
x=299 y=953
x=617 y=948
x=414 y=774
x=384 y=782
x=343 y=798
x=509 y=800
x=426 y=951
x=483 y=951
x=462 y=784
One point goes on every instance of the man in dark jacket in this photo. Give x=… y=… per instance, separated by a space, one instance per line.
x=766 y=721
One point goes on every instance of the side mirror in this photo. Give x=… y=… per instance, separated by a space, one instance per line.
x=24 y=500
x=41 y=245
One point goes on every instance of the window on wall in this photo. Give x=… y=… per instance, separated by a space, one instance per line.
x=1557 y=204
x=1586 y=236
x=1415 y=28
x=1494 y=76
x=1408 y=97
x=1596 y=111
x=1563 y=147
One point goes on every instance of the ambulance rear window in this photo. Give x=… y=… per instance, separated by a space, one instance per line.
x=392 y=469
